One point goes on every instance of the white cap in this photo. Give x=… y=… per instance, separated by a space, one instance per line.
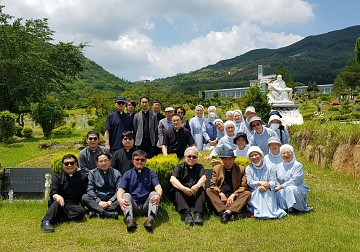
x=249 y=109
x=274 y=117
x=169 y=109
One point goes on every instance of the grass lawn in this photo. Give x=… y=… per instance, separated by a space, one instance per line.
x=332 y=226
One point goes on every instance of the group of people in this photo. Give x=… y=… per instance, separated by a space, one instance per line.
x=106 y=181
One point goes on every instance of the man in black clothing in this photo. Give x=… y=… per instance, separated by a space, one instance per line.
x=66 y=191
x=116 y=123
x=121 y=159
x=177 y=139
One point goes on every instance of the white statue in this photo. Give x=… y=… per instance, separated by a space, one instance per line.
x=48 y=181
x=279 y=93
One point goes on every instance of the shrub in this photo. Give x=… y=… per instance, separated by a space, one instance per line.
x=242 y=161
x=7 y=126
x=18 y=131
x=56 y=165
x=163 y=167
x=73 y=124
x=100 y=124
x=62 y=131
x=333 y=109
x=91 y=122
x=27 y=133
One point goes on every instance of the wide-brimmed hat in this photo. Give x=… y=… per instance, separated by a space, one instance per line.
x=227 y=153
x=255 y=118
x=274 y=139
x=241 y=134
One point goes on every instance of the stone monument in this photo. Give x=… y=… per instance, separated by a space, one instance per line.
x=280 y=97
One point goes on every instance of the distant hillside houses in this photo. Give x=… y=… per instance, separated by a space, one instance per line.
x=263 y=81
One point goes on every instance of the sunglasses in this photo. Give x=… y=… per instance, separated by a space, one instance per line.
x=127 y=139
x=140 y=159
x=93 y=138
x=69 y=163
x=191 y=156
x=121 y=103
x=255 y=125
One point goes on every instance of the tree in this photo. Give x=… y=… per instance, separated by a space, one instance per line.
x=312 y=86
x=357 y=50
x=31 y=67
x=351 y=76
x=48 y=114
x=254 y=97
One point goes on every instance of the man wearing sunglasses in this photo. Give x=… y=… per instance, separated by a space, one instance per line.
x=66 y=191
x=139 y=193
x=116 y=123
x=87 y=156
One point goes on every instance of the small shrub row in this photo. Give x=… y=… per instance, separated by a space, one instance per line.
x=62 y=131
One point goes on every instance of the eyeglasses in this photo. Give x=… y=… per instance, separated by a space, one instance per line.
x=255 y=125
x=127 y=139
x=103 y=161
x=140 y=159
x=180 y=112
x=93 y=138
x=191 y=156
x=69 y=163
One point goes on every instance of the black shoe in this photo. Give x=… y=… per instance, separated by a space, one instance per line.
x=92 y=214
x=112 y=215
x=149 y=223
x=188 y=219
x=233 y=217
x=224 y=217
x=198 y=219
x=131 y=225
x=47 y=227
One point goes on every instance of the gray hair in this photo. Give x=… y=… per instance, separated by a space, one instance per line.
x=191 y=149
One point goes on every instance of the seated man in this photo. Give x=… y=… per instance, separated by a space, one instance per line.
x=87 y=156
x=188 y=180
x=139 y=192
x=121 y=159
x=101 y=189
x=66 y=191
x=228 y=191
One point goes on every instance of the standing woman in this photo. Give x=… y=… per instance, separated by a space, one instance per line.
x=261 y=180
x=239 y=121
x=196 y=126
x=291 y=191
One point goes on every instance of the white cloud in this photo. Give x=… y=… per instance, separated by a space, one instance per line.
x=121 y=32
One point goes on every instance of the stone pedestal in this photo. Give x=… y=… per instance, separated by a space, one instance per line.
x=290 y=113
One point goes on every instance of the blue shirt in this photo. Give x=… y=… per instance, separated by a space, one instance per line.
x=116 y=124
x=139 y=183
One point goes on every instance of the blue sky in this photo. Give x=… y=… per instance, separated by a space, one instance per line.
x=149 y=39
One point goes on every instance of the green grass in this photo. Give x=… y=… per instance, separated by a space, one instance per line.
x=331 y=226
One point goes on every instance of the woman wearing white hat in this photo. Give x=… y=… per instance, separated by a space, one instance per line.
x=275 y=123
x=261 y=180
x=291 y=191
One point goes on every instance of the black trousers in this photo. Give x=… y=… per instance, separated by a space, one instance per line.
x=147 y=147
x=70 y=211
x=94 y=206
x=184 y=202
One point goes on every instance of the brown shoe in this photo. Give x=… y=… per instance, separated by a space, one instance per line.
x=131 y=225
x=149 y=224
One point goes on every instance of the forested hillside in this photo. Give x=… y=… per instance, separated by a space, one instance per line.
x=316 y=58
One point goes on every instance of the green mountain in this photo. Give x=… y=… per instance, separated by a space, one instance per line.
x=316 y=58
